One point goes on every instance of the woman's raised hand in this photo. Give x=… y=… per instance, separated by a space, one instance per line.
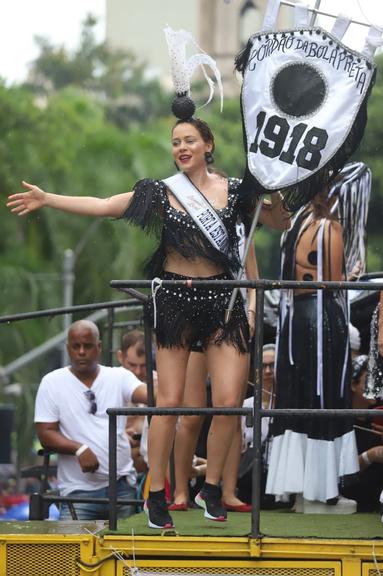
x=24 y=202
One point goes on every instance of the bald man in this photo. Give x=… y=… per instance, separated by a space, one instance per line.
x=71 y=419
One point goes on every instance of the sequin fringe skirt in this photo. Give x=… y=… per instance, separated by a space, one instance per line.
x=195 y=317
x=374 y=381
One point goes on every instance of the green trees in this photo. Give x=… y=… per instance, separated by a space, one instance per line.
x=66 y=141
x=371 y=153
x=65 y=147
x=115 y=77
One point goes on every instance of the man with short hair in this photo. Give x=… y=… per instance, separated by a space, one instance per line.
x=71 y=419
x=131 y=354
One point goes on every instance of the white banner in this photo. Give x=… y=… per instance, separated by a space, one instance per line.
x=302 y=91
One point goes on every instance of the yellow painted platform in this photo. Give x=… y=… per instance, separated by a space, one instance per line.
x=78 y=549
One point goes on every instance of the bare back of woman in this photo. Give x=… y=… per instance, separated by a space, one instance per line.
x=306 y=260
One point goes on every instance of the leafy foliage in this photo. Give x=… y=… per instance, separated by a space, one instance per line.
x=370 y=152
x=115 y=77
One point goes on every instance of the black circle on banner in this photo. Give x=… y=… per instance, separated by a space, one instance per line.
x=299 y=89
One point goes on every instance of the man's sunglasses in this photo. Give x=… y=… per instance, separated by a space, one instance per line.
x=92 y=399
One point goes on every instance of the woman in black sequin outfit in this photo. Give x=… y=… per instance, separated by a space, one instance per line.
x=184 y=315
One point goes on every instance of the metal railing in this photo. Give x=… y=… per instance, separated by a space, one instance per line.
x=40 y=501
x=258 y=412
x=254 y=415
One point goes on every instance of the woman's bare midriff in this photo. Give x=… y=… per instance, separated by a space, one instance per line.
x=196 y=268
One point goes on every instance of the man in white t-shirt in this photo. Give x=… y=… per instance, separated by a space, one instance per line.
x=71 y=419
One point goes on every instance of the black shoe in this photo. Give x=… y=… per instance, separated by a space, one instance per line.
x=157 y=513
x=211 y=501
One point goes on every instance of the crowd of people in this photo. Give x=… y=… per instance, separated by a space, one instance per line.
x=71 y=420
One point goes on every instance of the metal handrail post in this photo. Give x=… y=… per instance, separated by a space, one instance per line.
x=148 y=356
x=112 y=471
x=110 y=330
x=257 y=416
x=315 y=12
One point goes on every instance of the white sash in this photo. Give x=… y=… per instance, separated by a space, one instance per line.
x=200 y=210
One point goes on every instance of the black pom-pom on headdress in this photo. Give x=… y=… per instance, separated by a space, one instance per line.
x=183 y=106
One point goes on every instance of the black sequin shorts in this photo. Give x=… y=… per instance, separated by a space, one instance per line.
x=195 y=317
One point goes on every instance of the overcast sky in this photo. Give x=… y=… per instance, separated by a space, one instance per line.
x=21 y=20
x=370 y=11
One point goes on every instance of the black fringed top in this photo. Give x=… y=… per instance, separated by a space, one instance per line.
x=151 y=210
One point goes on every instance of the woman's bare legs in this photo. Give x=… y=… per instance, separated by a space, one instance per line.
x=188 y=427
x=228 y=370
x=230 y=471
x=171 y=370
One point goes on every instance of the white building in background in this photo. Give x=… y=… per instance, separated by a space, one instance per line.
x=221 y=28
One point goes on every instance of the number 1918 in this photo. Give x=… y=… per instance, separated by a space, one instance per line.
x=277 y=130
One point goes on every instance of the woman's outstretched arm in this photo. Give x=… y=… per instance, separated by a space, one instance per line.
x=34 y=198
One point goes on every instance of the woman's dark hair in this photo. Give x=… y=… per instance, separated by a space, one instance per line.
x=202 y=127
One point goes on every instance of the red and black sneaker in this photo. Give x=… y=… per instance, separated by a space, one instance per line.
x=157 y=513
x=210 y=499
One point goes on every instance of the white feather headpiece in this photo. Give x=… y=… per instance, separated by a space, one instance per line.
x=182 y=69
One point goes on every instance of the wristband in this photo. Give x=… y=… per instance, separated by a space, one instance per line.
x=82 y=449
x=365 y=458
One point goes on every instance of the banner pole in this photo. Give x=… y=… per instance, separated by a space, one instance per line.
x=314 y=14
x=248 y=242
